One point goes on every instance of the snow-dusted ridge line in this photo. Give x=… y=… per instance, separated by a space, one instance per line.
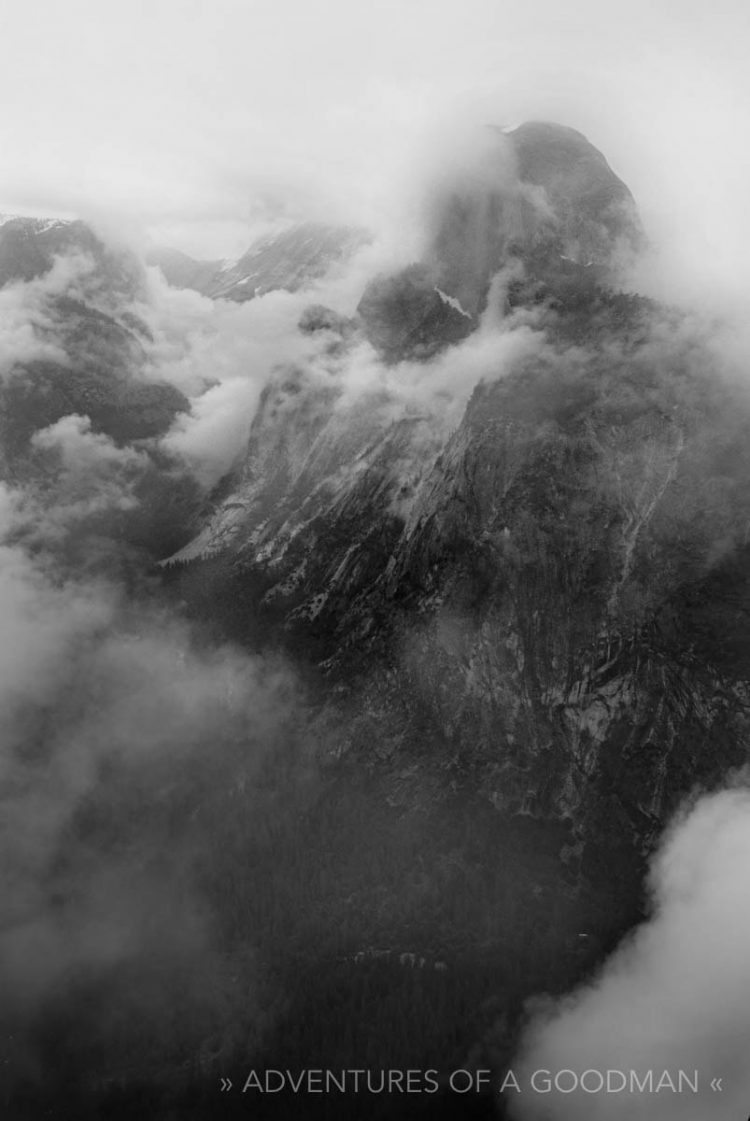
x=40 y=224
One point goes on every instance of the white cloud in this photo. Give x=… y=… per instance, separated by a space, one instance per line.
x=676 y=994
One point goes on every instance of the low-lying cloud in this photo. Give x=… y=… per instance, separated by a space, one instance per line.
x=118 y=728
x=124 y=734
x=674 y=996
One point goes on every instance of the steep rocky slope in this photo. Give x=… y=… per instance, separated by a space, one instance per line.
x=537 y=604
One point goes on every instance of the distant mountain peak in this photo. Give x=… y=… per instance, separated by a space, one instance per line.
x=286 y=260
x=35 y=225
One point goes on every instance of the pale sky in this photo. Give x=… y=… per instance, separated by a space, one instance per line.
x=197 y=120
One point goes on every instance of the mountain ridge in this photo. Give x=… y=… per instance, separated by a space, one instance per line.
x=287 y=260
x=365 y=533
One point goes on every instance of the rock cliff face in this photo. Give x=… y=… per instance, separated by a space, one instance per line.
x=574 y=560
x=538 y=604
x=541 y=199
